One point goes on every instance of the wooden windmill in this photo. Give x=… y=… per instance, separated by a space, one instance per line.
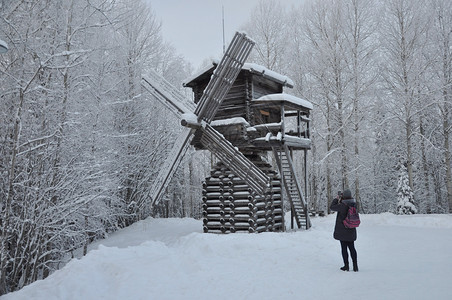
x=239 y=126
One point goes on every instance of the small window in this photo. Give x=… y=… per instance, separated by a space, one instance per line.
x=265 y=113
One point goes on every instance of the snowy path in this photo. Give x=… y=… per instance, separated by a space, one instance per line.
x=401 y=257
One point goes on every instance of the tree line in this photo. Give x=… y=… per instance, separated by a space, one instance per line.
x=80 y=143
x=379 y=73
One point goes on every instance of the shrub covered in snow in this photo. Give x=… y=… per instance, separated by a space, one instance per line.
x=405 y=196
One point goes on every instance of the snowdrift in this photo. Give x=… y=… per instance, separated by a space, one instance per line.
x=400 y=257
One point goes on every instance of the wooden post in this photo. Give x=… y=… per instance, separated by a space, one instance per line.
x=167 y=208
x=306 y=177
x=283 y=129
x=298 y=124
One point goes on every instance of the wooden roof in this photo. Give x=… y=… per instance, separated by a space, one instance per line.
x=288 y=101
x=252 y=68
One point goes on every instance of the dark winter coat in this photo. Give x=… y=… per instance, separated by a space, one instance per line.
x=342 y=233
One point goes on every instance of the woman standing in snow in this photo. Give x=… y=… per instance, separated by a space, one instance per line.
x=347 y=236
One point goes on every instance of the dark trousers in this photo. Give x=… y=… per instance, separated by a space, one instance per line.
x=351 y=247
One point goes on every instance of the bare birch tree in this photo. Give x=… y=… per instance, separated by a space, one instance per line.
x=324 y=30
x=269 y=29
x=443 y=42
x=405 y=40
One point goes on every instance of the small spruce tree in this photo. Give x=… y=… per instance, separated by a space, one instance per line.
x=405 y=195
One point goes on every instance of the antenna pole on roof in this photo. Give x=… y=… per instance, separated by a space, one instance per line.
x=222 y=12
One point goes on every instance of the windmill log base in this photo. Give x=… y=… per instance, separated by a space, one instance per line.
x=230 y=205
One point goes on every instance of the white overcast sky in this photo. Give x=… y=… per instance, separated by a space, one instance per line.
x=194 y=27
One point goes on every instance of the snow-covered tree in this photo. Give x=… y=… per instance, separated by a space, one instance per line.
x=405 y=31
x=268 y=28
x=78 y=141
x=405 y=195
x=442 y=69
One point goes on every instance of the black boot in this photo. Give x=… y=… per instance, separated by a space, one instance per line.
x=355 y=266
x=345 y=268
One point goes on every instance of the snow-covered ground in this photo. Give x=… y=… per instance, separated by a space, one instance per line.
x=400 y=257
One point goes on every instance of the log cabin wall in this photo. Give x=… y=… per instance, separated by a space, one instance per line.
x=229 y=205
x=237 y=102
x=234 y=104
x=260 y=87
x=248 y=97
x=199 y=84
x=198 y=89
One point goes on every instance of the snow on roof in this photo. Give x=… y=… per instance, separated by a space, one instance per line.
x=287 y=98
x=296 y=139
x=201 y=71
x=251 y=67
x=268 y=125
x=231 y=121
x=258 y=69
x=270 y=137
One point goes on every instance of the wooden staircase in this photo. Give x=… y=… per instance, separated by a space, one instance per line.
x=292 y=187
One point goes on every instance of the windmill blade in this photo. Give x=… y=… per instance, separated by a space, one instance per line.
x=171 y=98
x=166 y=172
x=238 y=163
x=167 y=94
x=223 y=77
